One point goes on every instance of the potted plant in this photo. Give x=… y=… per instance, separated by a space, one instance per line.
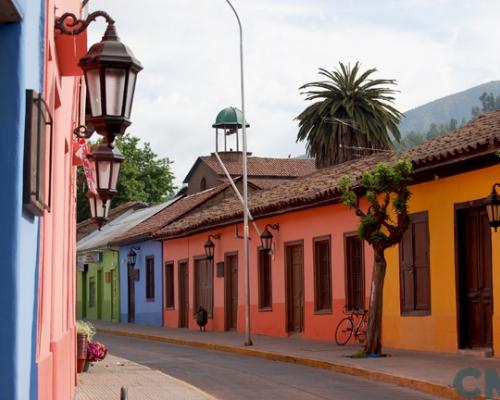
x=85 y=331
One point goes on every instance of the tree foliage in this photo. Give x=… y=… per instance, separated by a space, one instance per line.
x=488 y=103
x=353 y=113
x=382 y=225
x=143 y=177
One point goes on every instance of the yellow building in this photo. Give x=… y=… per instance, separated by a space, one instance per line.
x=442 y=289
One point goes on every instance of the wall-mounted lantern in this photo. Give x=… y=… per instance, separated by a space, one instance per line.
x=110 y=70
x=266 y=237
x=493 y=207
x=98 y=209
x=131 y=257
x=210 y=246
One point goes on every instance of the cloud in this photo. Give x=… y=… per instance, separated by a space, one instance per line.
x=191 y=60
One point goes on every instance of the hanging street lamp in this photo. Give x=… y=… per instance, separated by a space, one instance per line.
x=210 y=246
x=493 y=207
x=266 y=237
x=110 y=71
x=131 y=258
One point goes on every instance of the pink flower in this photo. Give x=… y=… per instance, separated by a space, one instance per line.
x=96 y=351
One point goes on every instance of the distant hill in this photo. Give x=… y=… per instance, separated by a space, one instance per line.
x=440 y=111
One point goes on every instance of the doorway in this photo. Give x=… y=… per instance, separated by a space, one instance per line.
x=294 y=270
x=183 y=294
x=474 y=278
x=100 y=299
x=131 y=294
x=231 y=290
x=114 y=295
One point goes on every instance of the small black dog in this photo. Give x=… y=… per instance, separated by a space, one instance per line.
x=201 y=318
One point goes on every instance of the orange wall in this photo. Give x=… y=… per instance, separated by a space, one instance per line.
x=334 y=220
x=56 y=297
x=438 y=331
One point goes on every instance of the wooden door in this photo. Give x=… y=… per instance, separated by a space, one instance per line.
x=131 y=294
x=475 y=279
x=183 y=295
x=114 y=295
x=295 y=287
x=231 y=284
x=100 y=291
x=84 y=294
x=355 y=272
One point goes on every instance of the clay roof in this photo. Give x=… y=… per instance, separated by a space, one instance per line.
x=87 y=226
x=482 y=136
x=177 y=209
x=258 y=166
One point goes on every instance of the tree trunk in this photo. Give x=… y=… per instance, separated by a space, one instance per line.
x=374 y=331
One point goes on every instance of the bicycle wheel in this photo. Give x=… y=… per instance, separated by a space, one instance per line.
x=361 y=332
x=344 y=331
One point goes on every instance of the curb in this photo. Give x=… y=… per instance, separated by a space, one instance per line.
x=423 y=386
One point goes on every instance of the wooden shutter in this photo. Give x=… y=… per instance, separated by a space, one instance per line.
x=204 y=285
x=322 y=274
x=414 y=266
x=265 y=286
x=150 y=278
x=169 y=285
x=355 y=270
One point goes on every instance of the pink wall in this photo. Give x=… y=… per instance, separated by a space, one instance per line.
x=334 y=220
x=56 y=297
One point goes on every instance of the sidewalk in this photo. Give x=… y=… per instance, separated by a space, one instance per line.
x=104 y=380
x=429 y=372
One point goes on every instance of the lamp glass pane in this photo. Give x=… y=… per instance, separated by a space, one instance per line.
x=103 y=171
x=94 y=87
x=115 y=87
x=92 y=206
x=100 y=211
x=114 y=175
x=106 y=211
x=130 y=93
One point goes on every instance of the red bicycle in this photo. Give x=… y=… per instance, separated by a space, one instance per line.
x=354 y=323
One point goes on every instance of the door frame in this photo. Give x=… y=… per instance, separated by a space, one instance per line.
x=227 y=293
x=184 y=261
x=286 y=245
x=457 y=208
x=130 y=289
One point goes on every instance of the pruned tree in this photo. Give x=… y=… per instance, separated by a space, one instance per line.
x=382 y=225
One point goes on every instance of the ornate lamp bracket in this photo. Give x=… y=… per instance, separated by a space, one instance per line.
x=69 y=24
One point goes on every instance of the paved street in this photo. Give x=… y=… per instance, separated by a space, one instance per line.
x=230 y=376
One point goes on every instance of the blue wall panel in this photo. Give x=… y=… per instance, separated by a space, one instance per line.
x=146 y=312
x=21 y=68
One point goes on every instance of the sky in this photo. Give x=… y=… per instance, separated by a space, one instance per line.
x=190 y=53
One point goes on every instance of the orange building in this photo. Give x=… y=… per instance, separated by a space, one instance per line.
x=318 y=265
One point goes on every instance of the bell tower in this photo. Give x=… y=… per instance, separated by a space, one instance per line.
x=230 y=121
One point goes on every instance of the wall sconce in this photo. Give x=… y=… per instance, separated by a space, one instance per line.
x=493 y=207
x=210 y=246
x=110 y=70
x=105 y=164
x=98 y=209
x=132 y=256
x=266 y=237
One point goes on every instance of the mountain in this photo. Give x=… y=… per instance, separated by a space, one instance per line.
x=440 y=111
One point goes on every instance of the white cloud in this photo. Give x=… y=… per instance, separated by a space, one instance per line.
x=190 y=53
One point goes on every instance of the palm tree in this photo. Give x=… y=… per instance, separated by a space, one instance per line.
x=352 y=118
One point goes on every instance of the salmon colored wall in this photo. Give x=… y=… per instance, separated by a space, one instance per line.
x=56 y=290
x=334 y=220
x=438 y=331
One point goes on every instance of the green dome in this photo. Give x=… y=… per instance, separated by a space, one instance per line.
x=228 y=118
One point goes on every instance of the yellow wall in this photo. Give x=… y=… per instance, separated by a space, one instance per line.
x=438 y=331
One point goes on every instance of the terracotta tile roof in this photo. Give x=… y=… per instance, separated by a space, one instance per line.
x=264 y=166
x=267 y=183
x=87 y=226
x=481 y=136
x=145 y=229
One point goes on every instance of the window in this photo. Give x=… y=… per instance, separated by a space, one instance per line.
x=203 y=279
x=203 y=184
x=355 y=273
x=414 y=267
x=169 y=285
x=265 y=285
x=150 y=278
x=322 y=274
x=92 y=292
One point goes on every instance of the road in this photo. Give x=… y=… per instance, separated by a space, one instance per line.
x=230 y=376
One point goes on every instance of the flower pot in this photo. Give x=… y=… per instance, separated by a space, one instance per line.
x=86 y=366
x=81 y=351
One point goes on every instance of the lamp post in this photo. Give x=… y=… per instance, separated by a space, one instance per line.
x=493 y=207
x=110 y=70
x=248 y=340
